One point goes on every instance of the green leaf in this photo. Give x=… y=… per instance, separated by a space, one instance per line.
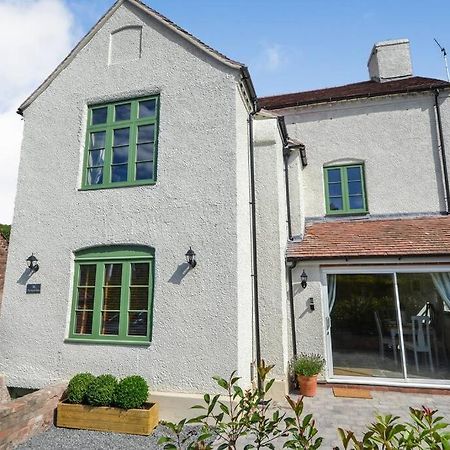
x=170 y=447
x=164 y=439
x=224 y=408
x=207 y=398
x=204 y=436
x=221 y=382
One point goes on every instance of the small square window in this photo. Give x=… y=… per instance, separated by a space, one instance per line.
x=344 y=190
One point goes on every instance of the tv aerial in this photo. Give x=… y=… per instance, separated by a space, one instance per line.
x=444 y=54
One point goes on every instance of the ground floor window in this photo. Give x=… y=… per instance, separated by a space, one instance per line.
x=113 y=294
x=390 y=325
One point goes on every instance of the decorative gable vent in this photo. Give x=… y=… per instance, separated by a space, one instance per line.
x=125 y=45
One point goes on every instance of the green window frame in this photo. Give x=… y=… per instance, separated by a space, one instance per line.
x=121 y=144
x=345 y=190
x=112 y=300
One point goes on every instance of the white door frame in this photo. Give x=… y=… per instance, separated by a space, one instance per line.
x=390 y=269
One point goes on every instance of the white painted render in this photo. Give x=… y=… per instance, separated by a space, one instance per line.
x=202 y=318
x=272 y=237
x=396 y=139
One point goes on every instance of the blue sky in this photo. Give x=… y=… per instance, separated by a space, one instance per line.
x=294 y=45
x=289 y=46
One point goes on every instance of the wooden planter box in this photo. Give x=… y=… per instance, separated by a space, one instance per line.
x=105 y=418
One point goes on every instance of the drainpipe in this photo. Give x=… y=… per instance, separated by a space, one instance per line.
x=254 y=244
x=442 y=148
x=290 y=268
x=292 y=311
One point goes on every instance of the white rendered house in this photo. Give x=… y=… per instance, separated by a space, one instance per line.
x=145 y=144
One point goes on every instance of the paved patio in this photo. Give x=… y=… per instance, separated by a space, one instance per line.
x=354 y=413
x=330 y=413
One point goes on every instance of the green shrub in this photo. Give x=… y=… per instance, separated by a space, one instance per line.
x=131 y=392
x=78 y=386
x=100 y=392
x=308 y=364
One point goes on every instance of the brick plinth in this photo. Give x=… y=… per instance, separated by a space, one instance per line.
x=27 y=416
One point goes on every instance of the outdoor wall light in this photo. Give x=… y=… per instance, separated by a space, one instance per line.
x=32 y=263
x=303 y=156
x=304 y=279
x=190 y=257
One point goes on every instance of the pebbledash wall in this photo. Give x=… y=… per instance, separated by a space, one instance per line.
x=202 y=322
x=396 y=139
x=3 y=258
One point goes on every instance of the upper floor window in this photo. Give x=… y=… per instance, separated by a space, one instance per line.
x=121 y=144
x=113 y=295
x=345 y=189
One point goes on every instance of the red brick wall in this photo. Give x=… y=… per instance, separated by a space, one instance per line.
x=3 y=253
x=29 y=415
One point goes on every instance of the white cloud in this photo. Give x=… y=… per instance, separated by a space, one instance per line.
x=274 y=56
x=270 y=58
x=35 y=35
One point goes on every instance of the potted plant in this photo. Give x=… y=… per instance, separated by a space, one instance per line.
x=104 y=404
x=306 y=368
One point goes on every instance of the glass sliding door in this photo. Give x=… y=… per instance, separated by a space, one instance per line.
x=363 y=326
x=425 y=311
x=390 y=325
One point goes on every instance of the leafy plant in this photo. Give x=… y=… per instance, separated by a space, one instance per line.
x=387 y=433
x=131 y=392
x=78 y=386
x=5 y=231
x=242 y=414
x=302 y=432
x=100 y=392
x=308 y=364
x=182 y=438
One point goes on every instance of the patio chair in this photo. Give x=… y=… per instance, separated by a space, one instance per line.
x=384 y=339
x=421 y=339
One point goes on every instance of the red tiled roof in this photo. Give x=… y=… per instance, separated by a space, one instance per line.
x=350 y=91
x=424 y=236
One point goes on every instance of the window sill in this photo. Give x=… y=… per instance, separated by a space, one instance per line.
x=345 y=213
x=116 y=185
x=106 y=342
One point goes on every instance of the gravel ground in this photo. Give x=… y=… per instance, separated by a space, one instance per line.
x=71 y=439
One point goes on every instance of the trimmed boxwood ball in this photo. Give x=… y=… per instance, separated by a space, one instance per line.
x=131 y=392
x=100 y=392
x=78 y=386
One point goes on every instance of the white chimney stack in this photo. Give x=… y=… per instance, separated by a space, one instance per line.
x=390 y=60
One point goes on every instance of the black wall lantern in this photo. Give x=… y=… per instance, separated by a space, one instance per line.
x=32 y=263
x=304 y=279
x=190 y=257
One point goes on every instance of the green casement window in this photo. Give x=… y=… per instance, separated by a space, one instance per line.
x=345 y=189
x=113 y=295
x=121 y=144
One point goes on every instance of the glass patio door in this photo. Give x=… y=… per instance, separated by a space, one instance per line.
x=364 y=326
x=390 y=325
x=425 y=312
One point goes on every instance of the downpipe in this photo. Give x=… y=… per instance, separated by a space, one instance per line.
x=442 y=148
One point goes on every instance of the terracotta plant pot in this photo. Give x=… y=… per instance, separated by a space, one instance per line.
x=307 y=385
